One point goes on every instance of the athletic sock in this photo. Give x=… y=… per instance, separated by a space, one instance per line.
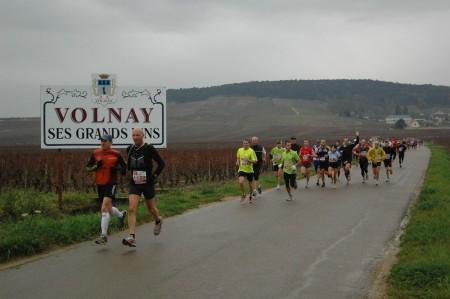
x=116 y=212
x=105 y=223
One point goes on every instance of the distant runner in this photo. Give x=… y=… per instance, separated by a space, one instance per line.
x=401 y=152
x=245 y=158
x=294 y=146
x=142 y=182
x=106 y=162
x=289 y=162
x=306 y=159
x=347 y=155
x=275 y=155
x=316 y=161
x=394 y=148
x=260 y=152
x=360 y=150
x=376 y=155
x=333 y=158
x=322 y=155
x=339 y=162
x=389 y=150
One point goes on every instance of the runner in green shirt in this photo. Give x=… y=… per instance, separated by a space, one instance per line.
x=245 y=158
x=289 y=162
x=275 y=156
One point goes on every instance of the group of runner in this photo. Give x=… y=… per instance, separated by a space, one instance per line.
x=327 y=160
x=107 y=164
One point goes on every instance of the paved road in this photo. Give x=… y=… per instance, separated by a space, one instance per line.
x=322 y=245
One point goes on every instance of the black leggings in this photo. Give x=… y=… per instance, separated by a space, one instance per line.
x=364 y=164
x=289 y=179
x=401 y=157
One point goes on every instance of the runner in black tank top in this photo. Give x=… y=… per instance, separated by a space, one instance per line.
x=257 y=167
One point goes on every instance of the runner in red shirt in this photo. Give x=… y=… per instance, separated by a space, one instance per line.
x=306 y=159
x=394 y=142
x=106 y=162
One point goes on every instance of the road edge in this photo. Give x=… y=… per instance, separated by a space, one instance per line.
x=389 y=257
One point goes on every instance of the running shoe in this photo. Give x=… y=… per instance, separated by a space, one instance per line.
x=278 y=187
x=254 y=193
x=157 y=229
x=122 y=219
x=102 y=240
x=317 y=184
x=323 y=185
x=259 y=189
x=289 y=198
x=367 y=176
x=129 y=241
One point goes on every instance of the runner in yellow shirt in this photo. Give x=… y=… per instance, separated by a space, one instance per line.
x=275 y=156
x=376 y=155
x=245 y=158
x=289 y=161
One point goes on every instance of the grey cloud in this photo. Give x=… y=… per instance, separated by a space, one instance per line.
x=182 y=43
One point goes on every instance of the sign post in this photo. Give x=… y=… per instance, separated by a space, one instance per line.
x=75 y=117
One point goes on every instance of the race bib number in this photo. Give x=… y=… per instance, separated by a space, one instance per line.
x=139 y=177
x=401 y=149
x=333 y=159
x=363 y=154
x=322 y=159
x=305 y=157
x=244 y=161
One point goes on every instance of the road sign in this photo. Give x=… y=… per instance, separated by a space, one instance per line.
x=76 y=116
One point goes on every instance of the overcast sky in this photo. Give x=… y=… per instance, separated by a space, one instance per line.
x=182 y=43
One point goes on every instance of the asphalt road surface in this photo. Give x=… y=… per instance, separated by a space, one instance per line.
x=324 y=244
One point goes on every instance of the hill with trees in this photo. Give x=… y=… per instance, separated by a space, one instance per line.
x=344 y=97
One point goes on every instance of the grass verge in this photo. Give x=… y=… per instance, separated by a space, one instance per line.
x=423 y=269
x=36 y=233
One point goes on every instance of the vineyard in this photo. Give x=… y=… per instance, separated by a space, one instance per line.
x=37 y=170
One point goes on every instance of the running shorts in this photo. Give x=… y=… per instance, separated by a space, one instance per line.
x=256 y=171
x=376 y=164
x=324 y=165
x=108 y=190
x=289 y=179
x=148 y=190
x=316 y=164
x=334 y=164
x=346 y=160
x=247 y=175
x=306 y=164
x=387 y=163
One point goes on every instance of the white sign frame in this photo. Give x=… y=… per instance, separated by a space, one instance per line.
x=58 y=118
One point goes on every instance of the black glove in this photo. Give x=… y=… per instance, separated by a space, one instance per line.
x=99 y=163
